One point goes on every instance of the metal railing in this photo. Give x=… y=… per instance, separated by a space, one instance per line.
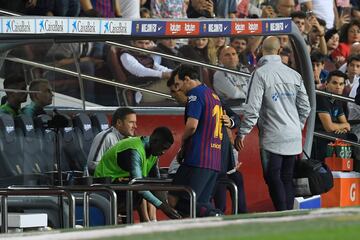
x=87 y=77
x=229 y=184
x=86 y=204
x=329 y=137
x=39 y=191
x=151 y=187
x=234 y=193
x=336 y=96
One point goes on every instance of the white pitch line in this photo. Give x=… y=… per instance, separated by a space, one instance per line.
x=174 y=225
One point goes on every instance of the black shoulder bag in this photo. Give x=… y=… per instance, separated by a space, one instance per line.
x=311 y=177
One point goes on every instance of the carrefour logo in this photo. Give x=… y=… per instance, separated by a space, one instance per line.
x=117 y=27
x=19 y=26
x=86 y=26
x=52 y=26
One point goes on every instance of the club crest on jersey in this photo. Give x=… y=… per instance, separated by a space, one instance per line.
x=192 y=98
x=215 y=96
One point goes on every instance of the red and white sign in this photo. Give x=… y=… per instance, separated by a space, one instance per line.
x=246 y=27
x=182 y=28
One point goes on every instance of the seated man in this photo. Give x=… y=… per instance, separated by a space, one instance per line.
x=123 y=126
x=141 y=68
x=13 y=97
x=134 y=158
x=330 y=117
x=227 y=85
x=38 y=100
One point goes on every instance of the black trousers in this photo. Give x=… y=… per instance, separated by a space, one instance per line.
x=220 y=192
x=202 y=181
x=278 y=173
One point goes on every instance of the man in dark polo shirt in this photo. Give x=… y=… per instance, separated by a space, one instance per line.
x=330 y=117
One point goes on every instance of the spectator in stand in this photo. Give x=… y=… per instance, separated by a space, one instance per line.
x=225 y=9
x=349 y=34
x=317 y=35
x=145 y=13
x=70 y=8
x=40 y=99
x=17 y=6
x=354 y=50
x=100 y=8
x=168 y=9
x=284 y=41
x=13 y=98
x=299 y=18
x=219 y=42
x=318 y=64
x=226 y=85
x=141 y=69
x=286 y=56
x=332 y=41
x=201 y=8
x=201 y=50
x=167 y=46
x=355 y=11
x=353 y=71
x=323 y=9
x=62 y=55
x=330 y=117
x=284 y=8
x=41 y=8
x=240 y=43
x=129 y=8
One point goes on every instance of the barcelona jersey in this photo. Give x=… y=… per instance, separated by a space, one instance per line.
x=203 y=148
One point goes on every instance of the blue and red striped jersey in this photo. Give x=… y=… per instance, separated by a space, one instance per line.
x=203 y=148
x=104 y=7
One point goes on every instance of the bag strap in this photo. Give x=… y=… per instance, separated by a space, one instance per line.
x=306 y=155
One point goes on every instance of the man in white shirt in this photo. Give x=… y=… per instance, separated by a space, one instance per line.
x=141 y=69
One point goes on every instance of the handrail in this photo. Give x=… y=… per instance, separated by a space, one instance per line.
x=8 y=13
x=234 y=193
x=230 y=184
x=150 y=180
x=336 y=96
x=86 y=190
x=322 y=135
x=43 y=191
x=87 y=77
x=155 y=187
x=179 y=59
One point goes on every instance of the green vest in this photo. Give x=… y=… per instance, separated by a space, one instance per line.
x=6 y=108
x=108 y=166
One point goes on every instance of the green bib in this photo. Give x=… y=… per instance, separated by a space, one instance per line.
x=108 y=166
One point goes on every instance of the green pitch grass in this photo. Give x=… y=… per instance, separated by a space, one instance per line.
x=338 y=227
